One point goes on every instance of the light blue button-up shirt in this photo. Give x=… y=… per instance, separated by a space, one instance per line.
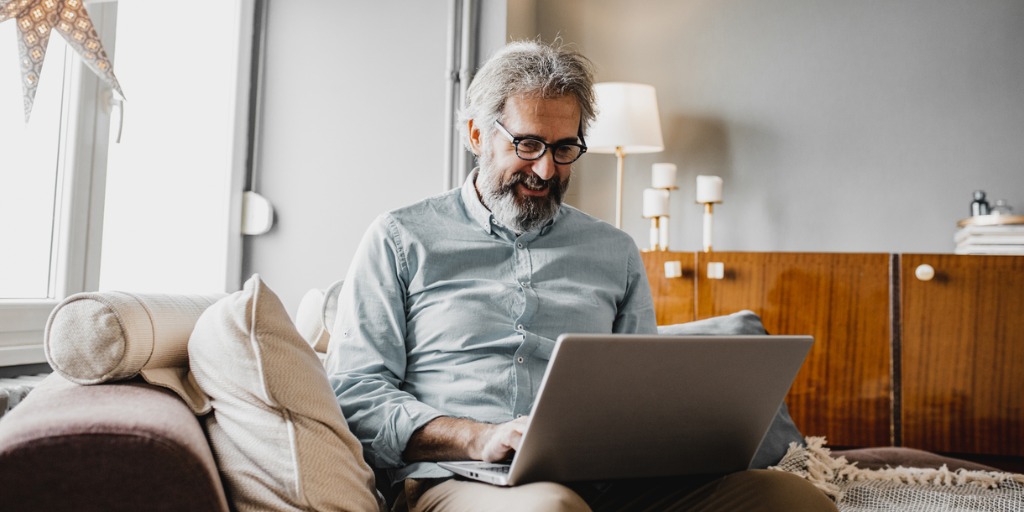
x=445 y=312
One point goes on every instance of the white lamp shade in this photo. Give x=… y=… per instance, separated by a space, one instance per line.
x=627 y=117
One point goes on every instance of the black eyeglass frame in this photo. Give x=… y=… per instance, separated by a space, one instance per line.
x=553 y=147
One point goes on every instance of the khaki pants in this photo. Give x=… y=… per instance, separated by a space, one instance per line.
x=755 y=490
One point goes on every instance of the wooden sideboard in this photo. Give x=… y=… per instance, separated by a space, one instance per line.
x=961 y=354
x=936 y=365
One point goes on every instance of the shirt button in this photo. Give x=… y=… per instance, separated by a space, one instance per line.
x=520 y=327
x=526 y=284
x=519 y=245
x=520 y=359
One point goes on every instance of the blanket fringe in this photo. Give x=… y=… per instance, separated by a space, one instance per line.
x=815 y=463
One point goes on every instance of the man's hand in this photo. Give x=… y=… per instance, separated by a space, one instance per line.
x=503 y=439
x=461 y=439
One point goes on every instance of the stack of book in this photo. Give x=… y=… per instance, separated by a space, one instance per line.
x=990 y=234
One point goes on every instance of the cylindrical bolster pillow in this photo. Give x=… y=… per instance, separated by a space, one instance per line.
x=97 y=337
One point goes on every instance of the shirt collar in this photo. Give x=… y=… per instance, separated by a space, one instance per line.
x=476 y=209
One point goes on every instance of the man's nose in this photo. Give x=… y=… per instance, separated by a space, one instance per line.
x=544 y=167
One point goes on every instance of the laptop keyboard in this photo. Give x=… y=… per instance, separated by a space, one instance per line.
x=494 y=468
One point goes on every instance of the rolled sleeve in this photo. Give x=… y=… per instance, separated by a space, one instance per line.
x=399 y=427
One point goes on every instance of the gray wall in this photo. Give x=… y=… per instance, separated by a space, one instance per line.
x=836 y=125
x=352 y=126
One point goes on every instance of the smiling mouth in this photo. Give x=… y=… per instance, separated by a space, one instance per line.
x=533 y=189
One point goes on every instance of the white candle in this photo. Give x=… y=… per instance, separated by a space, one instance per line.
x=655 y=202
x=663 y=175
x=709 y=189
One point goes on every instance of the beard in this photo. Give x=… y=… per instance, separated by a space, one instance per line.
x=520 y=214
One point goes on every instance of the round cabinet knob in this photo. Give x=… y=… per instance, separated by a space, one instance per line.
x=924 y=272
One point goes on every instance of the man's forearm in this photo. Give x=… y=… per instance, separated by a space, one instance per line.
x=447 y=438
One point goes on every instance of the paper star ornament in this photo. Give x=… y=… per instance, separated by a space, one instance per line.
x=36 y=19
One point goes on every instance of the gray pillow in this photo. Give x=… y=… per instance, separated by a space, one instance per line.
x=782 y=431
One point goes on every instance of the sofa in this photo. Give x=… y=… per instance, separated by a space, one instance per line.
x=126 y=445
x=157 y=423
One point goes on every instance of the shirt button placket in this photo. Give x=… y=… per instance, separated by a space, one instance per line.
x=523 y=279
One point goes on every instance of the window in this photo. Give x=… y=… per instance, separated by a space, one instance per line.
x=158 y=212
x=28 y=172
x=46 y=192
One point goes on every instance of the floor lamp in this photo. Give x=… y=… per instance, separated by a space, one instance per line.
x=627 y=122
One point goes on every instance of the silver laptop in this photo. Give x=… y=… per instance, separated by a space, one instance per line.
x=631 y=406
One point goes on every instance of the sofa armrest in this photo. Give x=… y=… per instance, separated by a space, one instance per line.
x=116 y=446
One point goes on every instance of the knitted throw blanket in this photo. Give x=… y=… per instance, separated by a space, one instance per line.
x=900 y=488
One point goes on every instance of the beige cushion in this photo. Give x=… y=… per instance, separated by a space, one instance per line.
x=315 y=316
x=276 y=430
x=97 y=337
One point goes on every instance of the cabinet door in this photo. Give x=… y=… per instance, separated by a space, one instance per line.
x=673 y=297
x=844 y=389
x=962 y=361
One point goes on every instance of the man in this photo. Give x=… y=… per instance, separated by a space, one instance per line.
x=451 y=306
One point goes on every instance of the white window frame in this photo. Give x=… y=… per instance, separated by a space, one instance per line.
x=79 y=204
x=78 y=215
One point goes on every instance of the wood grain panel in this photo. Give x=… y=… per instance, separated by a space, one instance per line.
x=844 y=389
x=963 y=354
x=673 y=298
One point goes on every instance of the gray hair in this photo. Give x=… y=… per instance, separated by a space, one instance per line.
x=528 y=68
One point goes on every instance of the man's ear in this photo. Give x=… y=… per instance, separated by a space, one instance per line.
x=475 y=137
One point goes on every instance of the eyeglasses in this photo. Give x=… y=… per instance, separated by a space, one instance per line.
x=532 y=148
